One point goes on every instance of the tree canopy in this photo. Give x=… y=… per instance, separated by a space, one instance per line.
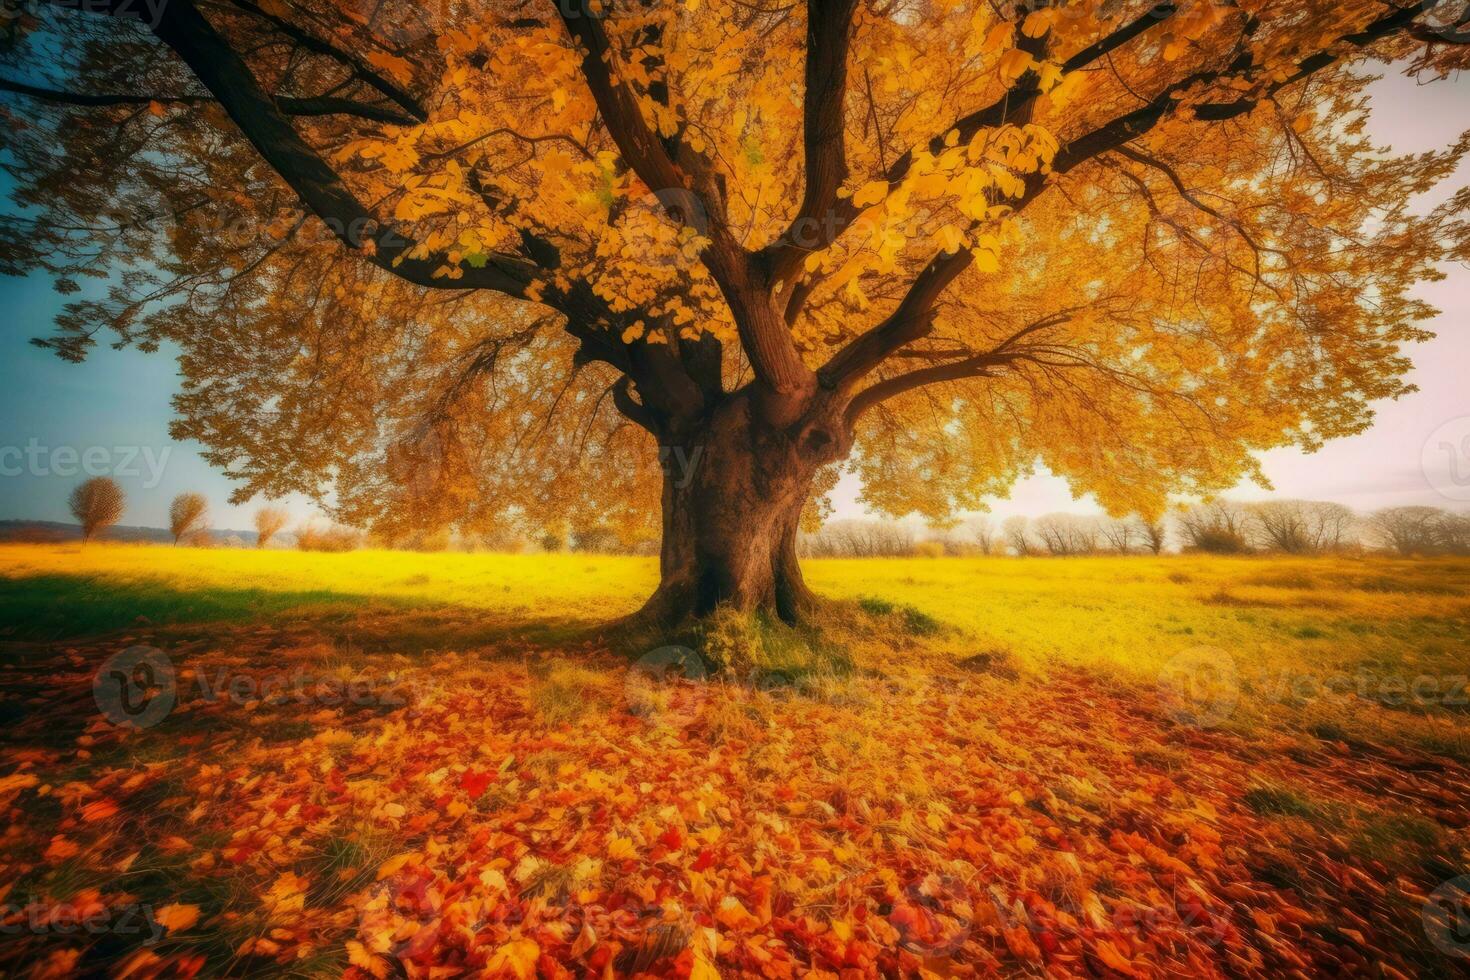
x=449 y=260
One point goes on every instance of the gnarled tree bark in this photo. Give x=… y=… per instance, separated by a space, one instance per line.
x=733 y=495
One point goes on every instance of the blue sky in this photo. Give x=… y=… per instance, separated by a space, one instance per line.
x=116 y=405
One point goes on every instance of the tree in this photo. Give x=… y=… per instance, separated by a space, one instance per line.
x=268 y=523
x=97 y=504
x=1454 y=533
x=1406 y=530
x=859 y=539
x=1153 y=532
x=1017 y=532
x=932 y=242
x=1301 y=526
x=1219 y=527
x=1067 y=534
x=986 y=538
x=331 y=538
x=1120 y=534
x=186 y=515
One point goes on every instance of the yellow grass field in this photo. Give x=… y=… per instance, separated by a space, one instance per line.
x=1100 y=766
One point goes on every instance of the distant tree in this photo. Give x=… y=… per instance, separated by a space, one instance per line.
x=1119 y=534
x=1017 y=531
x=1453 y=533
x=97 y=504
x=1067 y=534
x=554 y=536
x=859 y=539
x=437 y=539
x=1153 y=532
x=334 y=537
x=1406 y=530
x=186 y=515
x=268 y=523
x=1219 y=527
x=986 y=538
x=595 y=538
x=1329 y=525
x=1299 y=527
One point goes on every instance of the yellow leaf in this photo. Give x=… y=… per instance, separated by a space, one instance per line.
x=706 y=944
x=516 y=958
x=399 y=68
x=1014 y=63
x=1113 y=959
x=359 y=956
x=621 y=849
x=391 y=866
x=999 y=37
x=585 y=940
x=733 y=915
x=1038 y=22
x=287 y=894
x=177 y=918
x=870 y=193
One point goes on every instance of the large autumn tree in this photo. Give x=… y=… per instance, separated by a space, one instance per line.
x=595 y=260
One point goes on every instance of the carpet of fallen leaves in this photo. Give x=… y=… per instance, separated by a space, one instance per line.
x=521 y=813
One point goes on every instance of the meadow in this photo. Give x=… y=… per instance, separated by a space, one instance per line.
x=390 y=763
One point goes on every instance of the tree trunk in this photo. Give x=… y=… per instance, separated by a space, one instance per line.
x=732 y=500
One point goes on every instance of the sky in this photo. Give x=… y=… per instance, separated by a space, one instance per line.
x=61 y=422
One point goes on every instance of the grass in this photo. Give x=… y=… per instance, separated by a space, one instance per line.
x=1040 y=726
x=1354 y=635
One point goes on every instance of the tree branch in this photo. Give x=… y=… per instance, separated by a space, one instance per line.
x=322 y=105
x=913 y=316
x=621 y=114
x=224 y=73
x=784 y=379
x=828 y=37
x=971 y=367
x=362 y=72
x=1014 y=104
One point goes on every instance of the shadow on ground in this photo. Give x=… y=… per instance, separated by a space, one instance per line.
x=57 y=608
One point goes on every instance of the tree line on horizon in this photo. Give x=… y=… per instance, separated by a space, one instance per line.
x=1221 y=527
